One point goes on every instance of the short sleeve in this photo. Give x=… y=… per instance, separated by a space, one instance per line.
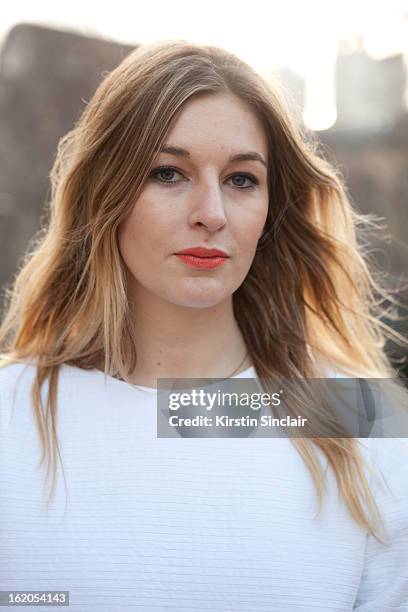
x=384 y=580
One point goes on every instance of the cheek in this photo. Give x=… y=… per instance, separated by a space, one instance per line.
x=249 y=229
x=135 y=230
x=133 y=242
x=143 y=235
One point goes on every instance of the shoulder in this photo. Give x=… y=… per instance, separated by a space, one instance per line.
x=384 y=579
x=16 y=385
x=16 y=377
x=19 y=377
x=389 y=458
x=388 y=478
x=16 y=382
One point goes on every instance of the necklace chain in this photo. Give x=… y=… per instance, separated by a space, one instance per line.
x=239 y=365
x=232 y=373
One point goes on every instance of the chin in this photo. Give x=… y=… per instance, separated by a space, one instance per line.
x=202 y=294
x=200 y=301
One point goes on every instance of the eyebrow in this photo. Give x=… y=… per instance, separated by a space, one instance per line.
x=237 y=157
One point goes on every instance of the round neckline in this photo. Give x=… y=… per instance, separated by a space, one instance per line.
x=247 y=373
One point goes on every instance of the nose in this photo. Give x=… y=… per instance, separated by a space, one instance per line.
x=208 y=207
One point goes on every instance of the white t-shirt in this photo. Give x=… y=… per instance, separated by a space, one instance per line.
x=184 y=524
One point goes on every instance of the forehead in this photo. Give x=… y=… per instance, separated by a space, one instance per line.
x=217 y=120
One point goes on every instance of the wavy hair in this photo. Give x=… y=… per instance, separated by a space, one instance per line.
x=310 y=297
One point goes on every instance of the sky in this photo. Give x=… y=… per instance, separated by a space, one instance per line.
x=300 y=34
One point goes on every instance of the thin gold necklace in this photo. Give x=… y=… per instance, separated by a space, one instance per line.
x=237 y=368
x=141 y=387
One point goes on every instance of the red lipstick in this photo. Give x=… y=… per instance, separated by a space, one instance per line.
x=201 y=257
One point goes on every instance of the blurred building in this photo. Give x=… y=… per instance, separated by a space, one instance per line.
x=46 y=78
x=369 y=92
x=293 y=87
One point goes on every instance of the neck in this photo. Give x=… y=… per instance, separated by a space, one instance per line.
x=174 y=341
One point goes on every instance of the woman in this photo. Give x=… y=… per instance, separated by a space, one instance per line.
x=185 y=148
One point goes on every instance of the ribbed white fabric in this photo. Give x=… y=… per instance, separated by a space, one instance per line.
x=199 y=524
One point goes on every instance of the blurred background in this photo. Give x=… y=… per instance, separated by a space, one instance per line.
x=341 y=65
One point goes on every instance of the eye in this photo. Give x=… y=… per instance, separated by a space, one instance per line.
x=166 y=172
x=245 y=177
x=164 y=175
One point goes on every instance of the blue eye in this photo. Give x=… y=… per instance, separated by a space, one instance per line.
x=167 y=172
x=246 y=177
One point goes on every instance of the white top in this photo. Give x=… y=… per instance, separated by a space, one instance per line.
x=184 y=524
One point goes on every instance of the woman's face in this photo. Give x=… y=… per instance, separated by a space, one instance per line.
x=199 y=198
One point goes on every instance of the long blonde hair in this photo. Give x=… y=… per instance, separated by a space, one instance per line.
x=309 y=296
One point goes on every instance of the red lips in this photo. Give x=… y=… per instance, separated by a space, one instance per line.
x=202 y=258
x=203 y=252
